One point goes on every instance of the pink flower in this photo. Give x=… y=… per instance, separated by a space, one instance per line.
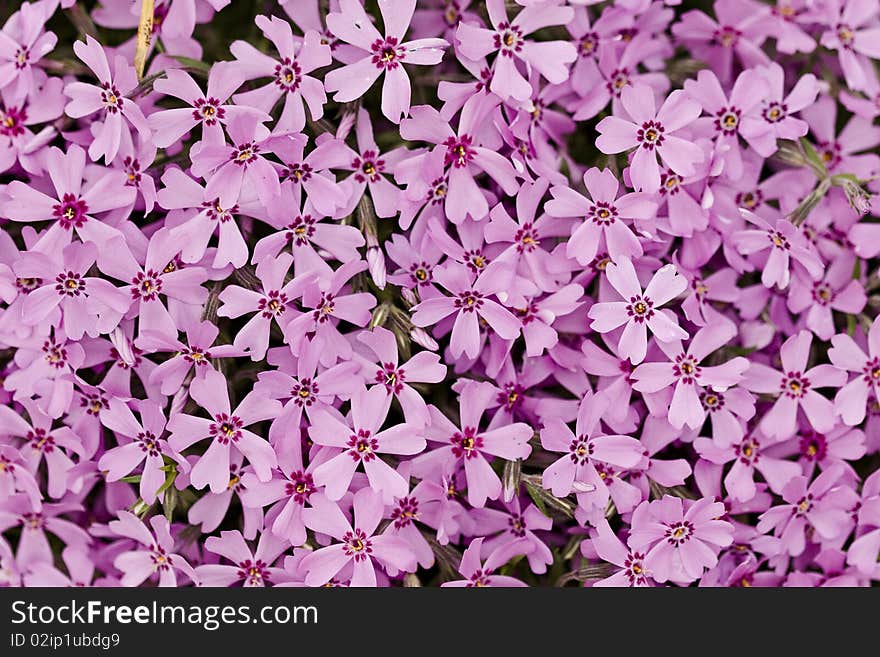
x=479 y=575
x=74 y=205
x=686 y=372
x=396 y=378
x=251 y=569
x=230 y=168
x=326 y=303
x=153 y=554
x=777 y=112
x=467 y=445
x=289 y=490
x=731 y=117
x=836 y=291
x=147 y=445
x=611 y=549
x=85 y=304
x=382 y=54
x=359 y=547
x=853 y=35
x=33 y=543
x=194 y=356
x=787 y=248
x=23 y=43
x=796 y=386
x=41 y=443
x=507 y=38
x=470 y=303
x=274 y=302
x=652 y=133
x=739 y=32
x=289 y=72
x=211 y=109
x=748 y=454
x=601 y=227
x=678 y=543
x=369 y=167
x=852 y=399
x=226 y=429
x=359 y=442
x=305 y=232
x=110 y=96
x=639 y=310
x=159 y=276
x=586 y=452
x=822 y=507
x=462 y=156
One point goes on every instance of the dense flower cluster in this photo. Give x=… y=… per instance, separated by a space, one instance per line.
x=440 y=293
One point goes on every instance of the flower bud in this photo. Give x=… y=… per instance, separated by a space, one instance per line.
x=122 y=345
x=423 y=339
x=376 y=262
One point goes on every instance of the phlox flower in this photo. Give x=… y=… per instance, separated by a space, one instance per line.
x=639 y=310
x=250 y=568
x=586 y=452
x=796 y=386
x=369 y=167
x=146 y=446
x=523 y=264
x=359 y=442
x=730 y=117
x=74 y=205
x=748 y=454
x=43 y=443
x=159 y=275
x=601 y=226
x=227 y=430
x=85 y=304
x=395 y=377
x=288 y=491
x=15 y=477
x=325 y=304
x=467 y=445
x=243 y=164
x=852 y=32
x=788 y=249
x=211 y=109
x=360 y=546
x=462 y=156
x=652 y=132
x=193 y=356
x=23 y=43
x=852 y=400
x=480 y=573
x=153 y=552
x=470 y=303
x=507 y=38
x=111 y=97
x=46 y=365
x=737 y=33
x=306 y=233
x=820 y=506
x=273 y=302
x=611 y=549
x=379 y=54
x=289 y=72
x=692 y=379
x=818 y=299
x=679 y=542
x=33 y=543
x=19 y=119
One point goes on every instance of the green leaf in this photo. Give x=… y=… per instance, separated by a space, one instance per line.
x=193 y=65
